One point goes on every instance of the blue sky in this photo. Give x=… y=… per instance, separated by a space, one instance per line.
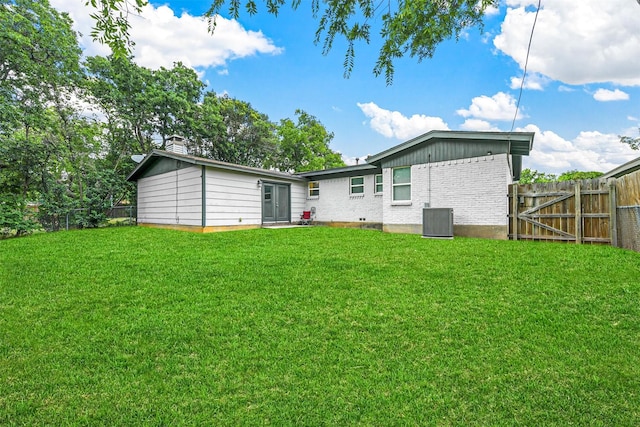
x=582 y=88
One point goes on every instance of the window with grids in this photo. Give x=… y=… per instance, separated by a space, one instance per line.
x=378 y=184
x=401 y=184
x=357 y=185
x=314 y=189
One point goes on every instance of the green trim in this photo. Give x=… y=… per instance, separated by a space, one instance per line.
x=517 y=143
x=186 y=161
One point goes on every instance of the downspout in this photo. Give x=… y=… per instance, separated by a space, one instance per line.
x=513 y=176
x=177 y=185
x=429 y=175
x=204 y=197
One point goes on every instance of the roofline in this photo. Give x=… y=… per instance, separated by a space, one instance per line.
x=345 y=169
x=201 y=161
x=465 y=135
x=623 y=169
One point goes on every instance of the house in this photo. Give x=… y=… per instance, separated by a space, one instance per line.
x=465 y=171
x=622 y=170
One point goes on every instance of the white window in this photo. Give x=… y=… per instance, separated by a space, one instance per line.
x=357 y=185
x=402 y=183
x=314 y=189
x=378 y=183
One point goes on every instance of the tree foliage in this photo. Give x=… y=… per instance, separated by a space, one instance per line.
x=408 y=27
x=532 y=176
x=575 y=175
x=304 y=146
x=632 y=142
x=57 y=160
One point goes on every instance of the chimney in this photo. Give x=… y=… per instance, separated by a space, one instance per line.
x=176 y=144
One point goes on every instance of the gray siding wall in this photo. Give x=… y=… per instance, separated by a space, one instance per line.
x=298 y=199
x=171 y=197
x=234 y=198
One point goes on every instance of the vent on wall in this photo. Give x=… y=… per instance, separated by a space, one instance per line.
x=437 y=222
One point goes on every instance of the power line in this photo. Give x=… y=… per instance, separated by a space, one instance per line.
x=526 y=63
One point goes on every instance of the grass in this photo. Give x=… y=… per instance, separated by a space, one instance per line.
x=315 y=326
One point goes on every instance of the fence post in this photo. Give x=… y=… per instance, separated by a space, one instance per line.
x=613 y=212
x=67 y=222
x=578 y=203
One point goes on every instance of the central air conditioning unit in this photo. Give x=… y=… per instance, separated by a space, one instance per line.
x=437 y=223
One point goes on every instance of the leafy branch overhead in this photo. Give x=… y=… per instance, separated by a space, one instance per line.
x=632 y=142
x=112 y=23
x=405 y=27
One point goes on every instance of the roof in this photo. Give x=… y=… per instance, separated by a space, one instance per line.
x=624 y=169
x=362 y=169
x=515 y=143
x=519 y=143
x=157 y=155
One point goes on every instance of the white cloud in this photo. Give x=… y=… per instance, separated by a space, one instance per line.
x=351 y=161
x=604 y=95
x=563 y=88
x=491 y=11
x=533 y=81
x=589 y=151
x=162 y=38
x=478 y=125
x=575 y=42
x=394 y=124
x=500 y=106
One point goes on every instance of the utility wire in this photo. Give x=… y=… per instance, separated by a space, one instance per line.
x=526 y=63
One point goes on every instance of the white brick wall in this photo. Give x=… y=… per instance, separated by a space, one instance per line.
x=475 y=188
x=336 y=204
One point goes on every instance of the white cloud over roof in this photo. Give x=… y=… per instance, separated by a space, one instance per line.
x=589 y=41
x=393 y=124
x=501 y=106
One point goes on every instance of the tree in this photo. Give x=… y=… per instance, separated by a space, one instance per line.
x=174 y=96
x=532 y=176
x=39 y=71
x=304 y=146
x=121 y=89
x=575 y=175
x=632 y=142
x=407 y=27
x=230 y=130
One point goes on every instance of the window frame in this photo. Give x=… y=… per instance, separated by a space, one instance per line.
x=395 y=185
x=313 y=186
x=376 y=184
x=352 y=186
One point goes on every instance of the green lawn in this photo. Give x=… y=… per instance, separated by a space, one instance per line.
x=315 y=326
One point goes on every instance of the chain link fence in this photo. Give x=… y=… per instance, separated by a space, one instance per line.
x=115 y=216
x=628 y=224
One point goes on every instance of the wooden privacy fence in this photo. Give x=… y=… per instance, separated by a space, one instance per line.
x=572 y=211
x=598 y=211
